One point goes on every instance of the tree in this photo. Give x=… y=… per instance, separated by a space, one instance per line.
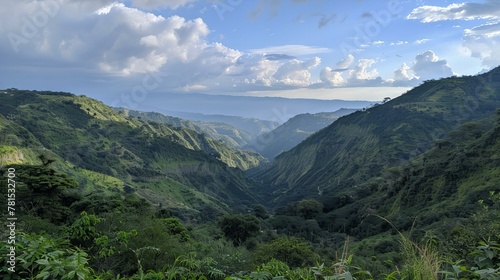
x=260 y=212
x=309 y=208
x=293 y=251
x=44 y=192
x=239 y=227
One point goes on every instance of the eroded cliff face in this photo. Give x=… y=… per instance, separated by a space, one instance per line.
x=15 y=157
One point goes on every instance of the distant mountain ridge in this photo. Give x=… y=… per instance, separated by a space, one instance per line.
x=274 y=109
x=293 y=131
x=234 y=131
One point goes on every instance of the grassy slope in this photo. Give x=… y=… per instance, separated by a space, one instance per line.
x=231 y=135
x=294 y=131
x=360 y=146
x=105 y=150
x=193 y=135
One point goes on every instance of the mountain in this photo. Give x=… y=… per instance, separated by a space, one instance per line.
x=235 y=136
x=361 y=145
x=108 y=152
x=450 y=178
x=436 y=190
x=275 y=109
x=251 y=125
x=293 y=131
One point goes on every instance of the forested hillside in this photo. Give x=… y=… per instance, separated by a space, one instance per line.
x=232 y=136
x=408 y=189
x=171 y=166
x=361 y=145
x=293 y=131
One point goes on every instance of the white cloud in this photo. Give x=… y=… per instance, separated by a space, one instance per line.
x=296 y=72
x=360 y=75
x=463 y=11
x=398 y=43
x=426 y=66
x=121 y=44
x=156 y=4
x=345 y=63
x=421 y=41
x=294 y=50
x=331 y=78
x=362 y=71
x=482 y=41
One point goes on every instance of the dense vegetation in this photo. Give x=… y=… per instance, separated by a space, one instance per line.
x=110 y=153
x=408 y=189
x=360 y=146
x=231 y=135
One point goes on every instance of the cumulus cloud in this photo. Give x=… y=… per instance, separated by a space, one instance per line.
x=463 y=11
x=344 y=63
x=344 y=74
x=331 y=78
x=403 y=73
x=426 y=66
x=111 y=39
x=296 y=72
x=364 y=75
x=483 y=43
x=483 y=40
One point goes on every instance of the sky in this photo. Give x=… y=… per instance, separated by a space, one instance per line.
x=323 y=49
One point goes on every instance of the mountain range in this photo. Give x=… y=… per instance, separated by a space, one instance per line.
x=360 y=146
x=107 y=151
x=435 y=148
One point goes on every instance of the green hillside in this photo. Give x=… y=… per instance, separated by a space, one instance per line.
x=361 y=145
x=230 y=135
x=107 y=151
x=294 y=131
x=405 y=190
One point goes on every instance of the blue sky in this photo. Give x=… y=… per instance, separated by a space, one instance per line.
x=337 y=49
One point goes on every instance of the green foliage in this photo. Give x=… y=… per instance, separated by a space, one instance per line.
x=110 y=153
x=309 y=208
x=174 y=227
x=420 y=261
x=189 y=266
x=358 y=147
x=292 y=251
x=43 y=192
x=239 y=227
x=41 y=257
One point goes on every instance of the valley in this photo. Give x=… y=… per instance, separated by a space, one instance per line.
x=235 y=197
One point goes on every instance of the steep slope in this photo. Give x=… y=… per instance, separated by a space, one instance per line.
x=253 y=126
x=438 y=189
x=359 y=146
x=174 y=167
x=449 y=179
x=231 y=135
x=294 y=131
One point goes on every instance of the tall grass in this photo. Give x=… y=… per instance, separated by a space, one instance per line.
x=420 y=261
